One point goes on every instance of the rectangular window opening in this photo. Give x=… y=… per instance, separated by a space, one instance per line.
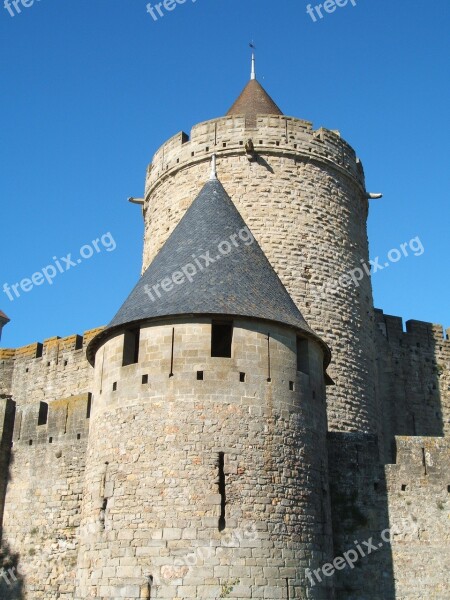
x=43 y=413
x=404 y=487
x=221 y=338
x=242 y=377
x=78 y=436
x=291 y=386
x=144 y=379
x=131 y=347
x=114 y=386
x=50 y=440
x=303 y=355
x=199 y=375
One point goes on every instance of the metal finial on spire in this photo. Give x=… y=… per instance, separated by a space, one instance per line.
x=213 y=174
x=253 y=71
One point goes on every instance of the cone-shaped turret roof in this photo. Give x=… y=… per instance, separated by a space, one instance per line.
x=254 y=100
x=210 y=265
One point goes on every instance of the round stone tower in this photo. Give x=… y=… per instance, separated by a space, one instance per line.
x=302 y=193
x=206 y=473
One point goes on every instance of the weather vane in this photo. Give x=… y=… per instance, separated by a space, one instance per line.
x=253 y=72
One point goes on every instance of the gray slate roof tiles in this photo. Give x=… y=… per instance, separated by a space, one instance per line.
x=239 y=282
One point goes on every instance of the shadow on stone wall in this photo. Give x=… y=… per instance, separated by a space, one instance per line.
x=359 y=511
x=413 y=379
x=11 y=582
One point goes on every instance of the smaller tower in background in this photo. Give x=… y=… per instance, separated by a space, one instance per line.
x=3 y=321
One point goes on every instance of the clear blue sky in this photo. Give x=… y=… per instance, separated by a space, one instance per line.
x=89 y=90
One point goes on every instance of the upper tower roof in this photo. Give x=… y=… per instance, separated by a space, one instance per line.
x=210 y=265
x=254 y=100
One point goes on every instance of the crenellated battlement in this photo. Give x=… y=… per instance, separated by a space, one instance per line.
x=63 y=420
x=425 y=454
x=50 y=346
x=227 y=136
x=414 y=331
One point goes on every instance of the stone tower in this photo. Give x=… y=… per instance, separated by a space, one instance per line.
x=207 y=444
x=302 y=193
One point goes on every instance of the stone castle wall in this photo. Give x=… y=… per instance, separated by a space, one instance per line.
x=153 y=502
x=418 y=486
x=402 y=509
x=305 y=202
x=413 y=379
x=45 y=468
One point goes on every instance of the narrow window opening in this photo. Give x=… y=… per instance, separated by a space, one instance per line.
x=43 y=413
x=26 y=370
x=448 y=489
x=291 y=386
x=424 y=460
x=78 y=436
x=303 y=355
x=207 y=148
x=114 y=386
x=222 y=491
x=221 y=339
x=404 y=487
x=103 y=512
x=30 y=443
x=89 y=406
x=192 y=153
x=144 y=379
x=48 y=364
x=242 y=377
x=39 y=349
x=278 y=143
x=131 y=347
x=66 y=363
x=50 y=440
x=224 y=144
x=199 y=375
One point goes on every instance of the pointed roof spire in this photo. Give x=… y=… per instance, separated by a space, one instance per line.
x=253 y=71
x=254 y=100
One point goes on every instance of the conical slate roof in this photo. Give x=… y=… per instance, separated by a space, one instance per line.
x=254 y=100
x=210 y=265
